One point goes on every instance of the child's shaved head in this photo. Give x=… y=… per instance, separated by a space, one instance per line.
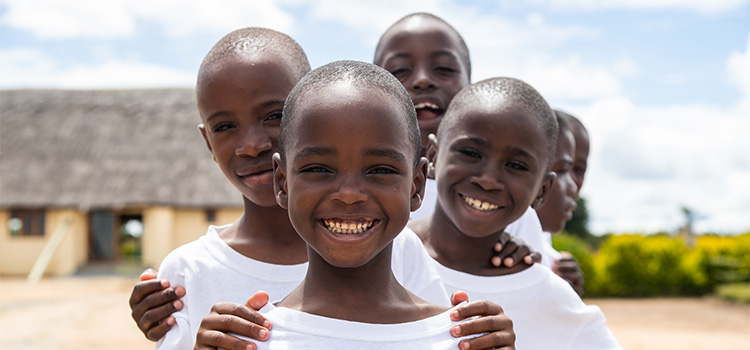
x=412 y=20
x=360 y=75
x=247 y=43
x=494 y=94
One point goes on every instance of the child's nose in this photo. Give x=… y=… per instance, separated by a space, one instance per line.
x=253 y=143
x=488 y=181
x=422 y=79
x=349 y=191
x=571 y=189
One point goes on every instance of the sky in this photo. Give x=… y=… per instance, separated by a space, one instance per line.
x=663 y=86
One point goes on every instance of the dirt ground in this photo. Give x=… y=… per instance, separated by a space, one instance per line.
x=92 y=313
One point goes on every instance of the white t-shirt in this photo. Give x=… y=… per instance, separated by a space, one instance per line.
x=546 y=312
x=211 y=271
x=549 y=254
x=527 y=227
x=294 y=329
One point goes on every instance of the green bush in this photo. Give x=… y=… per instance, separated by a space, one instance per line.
x=735 y=292
x=582 y=251
x=637 y=265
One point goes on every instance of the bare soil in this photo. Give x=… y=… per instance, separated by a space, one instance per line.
x=73 y=313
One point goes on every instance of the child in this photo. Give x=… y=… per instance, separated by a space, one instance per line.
x=349 y=172
x=559 y=206
x=241 y=88
x=581 y=136
x=491 y=157
x=561 y=202
x=430 y=58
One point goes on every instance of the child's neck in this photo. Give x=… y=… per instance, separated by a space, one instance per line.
x=266 y=234
x=369 y=294
x=453 y=249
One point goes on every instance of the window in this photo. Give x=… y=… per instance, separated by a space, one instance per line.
x=25 y=222
x=210 y=215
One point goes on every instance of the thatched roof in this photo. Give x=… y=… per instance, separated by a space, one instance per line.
x=106 y=149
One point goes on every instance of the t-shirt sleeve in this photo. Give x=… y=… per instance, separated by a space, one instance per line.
x=180 y=336
x=414 y=269
x=588 y=325
x=593 y=333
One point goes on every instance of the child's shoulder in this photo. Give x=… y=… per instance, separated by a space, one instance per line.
x=193 y=251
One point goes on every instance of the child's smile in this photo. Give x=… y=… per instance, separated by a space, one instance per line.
x=479 y=204
x=425 y=56
x=240 y=102
x=348 y=171
x=340 y=226
x=488 y=168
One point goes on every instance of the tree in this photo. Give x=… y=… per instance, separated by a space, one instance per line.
x=578 y=225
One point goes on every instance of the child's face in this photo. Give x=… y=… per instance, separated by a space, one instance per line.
x=489 y=167
x=580 y=161
x=349 y=179
x=561 y=201
x=424 y=56
x=240 y=104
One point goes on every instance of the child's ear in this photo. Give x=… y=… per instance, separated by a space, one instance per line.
x=202 y=129
x=279 y=181
x=432 y=148
x=547 y=181
x=417 y=187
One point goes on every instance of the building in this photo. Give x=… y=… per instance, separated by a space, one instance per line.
x=80 y=164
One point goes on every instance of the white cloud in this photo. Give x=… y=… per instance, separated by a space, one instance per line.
x=69 y=19
x=121 y=18
x=648 y=161
x=25 y=68
x=738 y=68
x=701 y=6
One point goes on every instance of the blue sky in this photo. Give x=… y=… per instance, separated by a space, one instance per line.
x=662 y=85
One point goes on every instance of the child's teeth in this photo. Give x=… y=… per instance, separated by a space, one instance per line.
x=347 y=227
x=480 y=205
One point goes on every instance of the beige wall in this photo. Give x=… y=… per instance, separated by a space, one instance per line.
x=165 y=229
x=18 y=254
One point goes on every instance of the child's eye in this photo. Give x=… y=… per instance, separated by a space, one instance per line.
x=471 y=153
x=383 y=170
x=517 y=166
x=315 y=169
x=273 y=116
x=563 y=170
x=399 y=71
x=222 y=127
x=445 y=69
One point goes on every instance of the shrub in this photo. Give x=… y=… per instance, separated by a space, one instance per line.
x=582 y=251
x=735 y=292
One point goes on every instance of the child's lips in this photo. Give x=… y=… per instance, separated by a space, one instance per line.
x=349 y=229
x=479 y=205
x=259 y=178
x=428 y=114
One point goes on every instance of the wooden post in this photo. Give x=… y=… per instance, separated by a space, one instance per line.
x=48 y=251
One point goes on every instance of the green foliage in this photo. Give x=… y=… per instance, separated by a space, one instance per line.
x=578 y=224
x=581 y=250
x=635 y=265
x=735 y=292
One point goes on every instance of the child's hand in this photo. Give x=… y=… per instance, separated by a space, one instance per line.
x=511 y=250
x=242 y=320
x=493 y=327
x=567 y=267
x=152 y=303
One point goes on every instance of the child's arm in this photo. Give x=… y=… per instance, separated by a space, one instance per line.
x=493 y=327
x=152 y=303
x=567 y=267
x=510 y=251
x=242 y=320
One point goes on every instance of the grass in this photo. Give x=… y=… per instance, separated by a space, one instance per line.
x=735 y=292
